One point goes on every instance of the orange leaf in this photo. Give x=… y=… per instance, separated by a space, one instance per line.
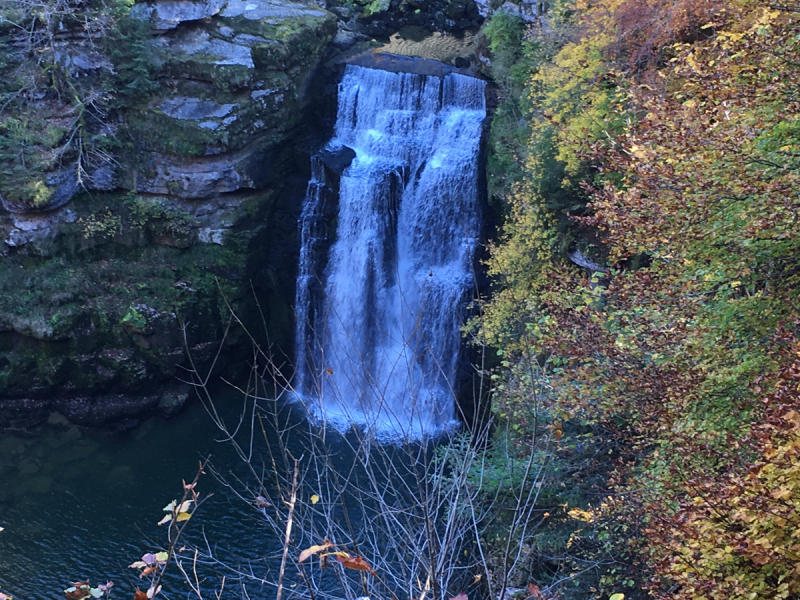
x=139 y=595
x=313 y=550
x=146 y=571
x=533 y=591
x=357 y=563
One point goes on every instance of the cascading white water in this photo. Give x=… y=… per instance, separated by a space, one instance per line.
x=378 y=326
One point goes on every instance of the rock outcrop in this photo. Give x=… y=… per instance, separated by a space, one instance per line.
x=102 y=293
x=235 y=76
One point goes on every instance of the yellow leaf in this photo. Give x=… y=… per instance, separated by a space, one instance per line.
x=184 y=516
x=314 y=499
x=313 y=550
x=617 y=597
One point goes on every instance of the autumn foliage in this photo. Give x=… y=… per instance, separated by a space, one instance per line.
x=678 y=121
x=738 y=533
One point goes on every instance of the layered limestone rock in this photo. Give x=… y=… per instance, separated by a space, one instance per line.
x=235 y=80
x=101 y=293
x=231 y=75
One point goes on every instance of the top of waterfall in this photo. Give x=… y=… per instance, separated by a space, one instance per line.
x=396 y=63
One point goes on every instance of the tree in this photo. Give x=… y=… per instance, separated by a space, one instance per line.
x=692 y=189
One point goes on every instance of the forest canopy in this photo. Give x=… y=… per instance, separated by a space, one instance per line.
x=661 y=142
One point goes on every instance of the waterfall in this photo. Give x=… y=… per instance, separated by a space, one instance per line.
x=380 y=302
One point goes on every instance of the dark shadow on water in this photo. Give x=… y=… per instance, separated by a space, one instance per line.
x=78 y=504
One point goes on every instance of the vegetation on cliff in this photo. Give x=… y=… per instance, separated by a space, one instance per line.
x=64 y=66
x=661 y=141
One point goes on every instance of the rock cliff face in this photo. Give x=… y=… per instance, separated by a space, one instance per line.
x=102 y=289
x=235 y=76
x=114 y=262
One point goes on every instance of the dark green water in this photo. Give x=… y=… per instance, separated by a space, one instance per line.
x=78 y=504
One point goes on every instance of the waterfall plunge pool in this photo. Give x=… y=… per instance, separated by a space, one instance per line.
x=80 y=504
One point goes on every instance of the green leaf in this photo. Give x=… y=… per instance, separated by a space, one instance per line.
x=617 y=597
x=96 y=592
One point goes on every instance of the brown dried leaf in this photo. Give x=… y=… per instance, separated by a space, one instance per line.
x=147 y=571
x=358 y=564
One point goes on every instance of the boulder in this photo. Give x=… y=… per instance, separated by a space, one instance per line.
x=173 y=400
x=582 y=260
x=62 y=185
x=168 y=14
x=337 y=160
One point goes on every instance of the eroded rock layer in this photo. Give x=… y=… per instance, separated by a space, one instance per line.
x=112 y=273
